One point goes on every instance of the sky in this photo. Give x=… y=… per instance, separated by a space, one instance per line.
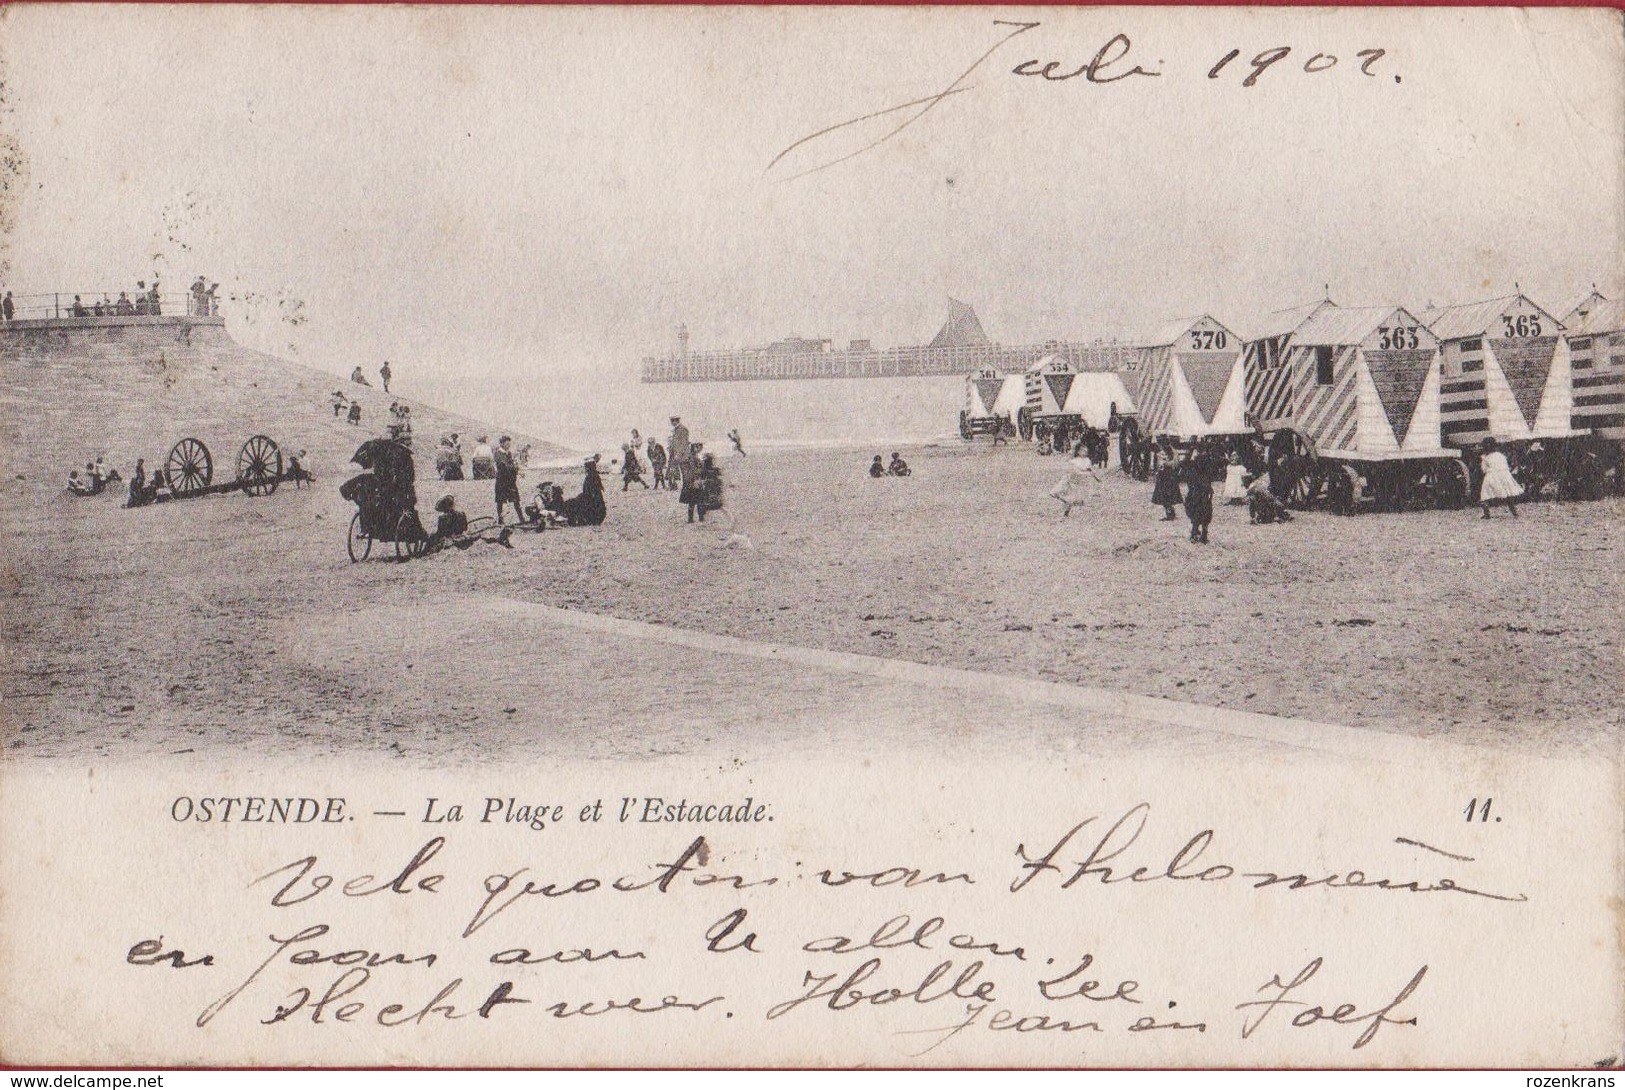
x=514 y=206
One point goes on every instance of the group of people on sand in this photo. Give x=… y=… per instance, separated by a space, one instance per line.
x=96 y=477
x=895 y=468
x=681 y=465
x=1196 y=470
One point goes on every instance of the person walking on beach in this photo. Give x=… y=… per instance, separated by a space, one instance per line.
x=338 y=403
x=1165 y=493
x=1072 y=489
x=1198 y=480
x=507 y=477
x=384 y=373
x=733 y=437
x=631 y=468
x=1499 y=485
x=678 y=452
x=657 y=464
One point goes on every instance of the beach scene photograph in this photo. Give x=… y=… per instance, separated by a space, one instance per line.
x=447 y=387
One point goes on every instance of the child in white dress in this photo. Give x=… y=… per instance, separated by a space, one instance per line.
x=1499 y=486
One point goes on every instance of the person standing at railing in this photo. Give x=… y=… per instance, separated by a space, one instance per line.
x=154 y=300
x=200 y=299
x=124 y=306
x=6 y=308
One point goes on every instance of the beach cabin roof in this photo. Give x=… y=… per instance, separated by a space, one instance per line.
x=1605 y=317
x=1475 y=319
x=1346 y=325
x=1171 y=332
x=1280 y=323
x=1583 y=307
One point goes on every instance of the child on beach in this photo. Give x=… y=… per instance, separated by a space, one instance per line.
x=1070 y=491
x=1499 y=486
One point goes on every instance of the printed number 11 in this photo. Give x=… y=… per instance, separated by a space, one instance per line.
x=1481 y=813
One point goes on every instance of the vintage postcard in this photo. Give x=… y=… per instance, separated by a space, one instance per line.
x=917 y=537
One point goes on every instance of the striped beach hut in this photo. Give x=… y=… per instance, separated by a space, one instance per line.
x=1191 y=382
x=1505 y=372
x=1269 y=389
x=1355 y=413
x=1597 y=362
x=1597 y=359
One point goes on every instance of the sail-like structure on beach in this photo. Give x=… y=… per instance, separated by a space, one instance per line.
x=962 y=329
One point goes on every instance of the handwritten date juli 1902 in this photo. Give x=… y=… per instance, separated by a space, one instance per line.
x=929 y=979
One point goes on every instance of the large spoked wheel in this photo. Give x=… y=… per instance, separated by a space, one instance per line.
x=358 y=541
x=1342 y=489
x=1446 y=484
x=259 y=466
x=410 y=543
x=189 y=468
x=964 y=424
x=1024 y=422
x=1292 y=468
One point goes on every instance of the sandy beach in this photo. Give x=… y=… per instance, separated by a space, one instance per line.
x=237 y=624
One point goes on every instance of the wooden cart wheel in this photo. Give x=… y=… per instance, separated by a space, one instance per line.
x=1342 y=488
x=1024 y=422
x=358 y=542
x=1451 y=484
x=964 y=424
x=1292 y=468
x=1128 y=437
x=259 y=466
x=410 y=541
x=1143 y=459
x=188 y=467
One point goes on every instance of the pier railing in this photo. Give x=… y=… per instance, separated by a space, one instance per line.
x=105 y=304
x=745 y=364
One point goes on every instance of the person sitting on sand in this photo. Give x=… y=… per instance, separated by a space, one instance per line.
x=898 y=467
x=359 y=377
x=588 y=508
x=299 y=469
x=79 y=486
x=876 y=470
x=1263 y=505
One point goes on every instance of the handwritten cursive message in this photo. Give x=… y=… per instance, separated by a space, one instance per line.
x=795 y=942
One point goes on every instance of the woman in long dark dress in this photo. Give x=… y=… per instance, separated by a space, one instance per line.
x=1198 y=479
x=588 y=508
x=1165 y=493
